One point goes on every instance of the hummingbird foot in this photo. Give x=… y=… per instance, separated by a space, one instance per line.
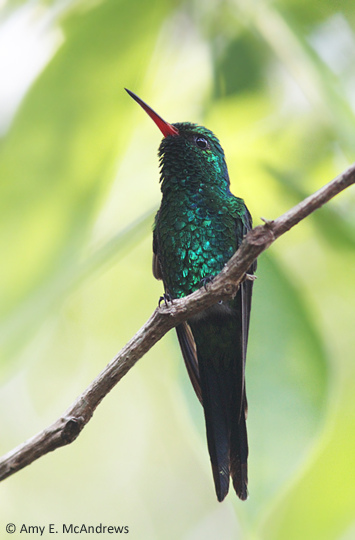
x=205 y=281
x=249 y=277
x=166 y=298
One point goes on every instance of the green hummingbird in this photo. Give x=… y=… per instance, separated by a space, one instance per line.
x=198 y=227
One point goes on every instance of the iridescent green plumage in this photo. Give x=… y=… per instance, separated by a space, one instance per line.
x=198 y=227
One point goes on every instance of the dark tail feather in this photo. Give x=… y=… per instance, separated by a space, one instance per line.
x=239 y=456
x=215 y=405
x=220 y=352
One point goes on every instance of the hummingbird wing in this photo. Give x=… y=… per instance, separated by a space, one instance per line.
x=246 y=290
x=189 y=353
x=184 y=334
x=157 y=273
x=238 y=436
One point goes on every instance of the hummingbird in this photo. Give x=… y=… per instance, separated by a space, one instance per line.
x=197 y=229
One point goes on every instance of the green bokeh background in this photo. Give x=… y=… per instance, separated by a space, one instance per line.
x=78 y=191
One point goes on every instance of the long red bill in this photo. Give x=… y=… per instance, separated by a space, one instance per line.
x=165 y=127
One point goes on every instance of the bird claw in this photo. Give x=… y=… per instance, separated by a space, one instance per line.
x=166 y=298
x=249 y=277
x=204 y=282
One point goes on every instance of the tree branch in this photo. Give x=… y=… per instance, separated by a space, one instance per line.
x=66 y=429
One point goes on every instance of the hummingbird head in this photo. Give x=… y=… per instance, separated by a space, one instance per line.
x=190 y=155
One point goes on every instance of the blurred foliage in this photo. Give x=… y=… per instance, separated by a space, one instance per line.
x=79 y=187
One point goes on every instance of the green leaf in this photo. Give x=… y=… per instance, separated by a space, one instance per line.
x=60 y=156
x=320 y=506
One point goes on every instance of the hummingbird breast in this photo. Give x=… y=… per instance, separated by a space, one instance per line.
x=196 y=237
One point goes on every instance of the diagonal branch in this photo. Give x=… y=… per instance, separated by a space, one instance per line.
x=66 y=429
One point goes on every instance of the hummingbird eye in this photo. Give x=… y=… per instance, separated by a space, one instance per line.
x=202 y=142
